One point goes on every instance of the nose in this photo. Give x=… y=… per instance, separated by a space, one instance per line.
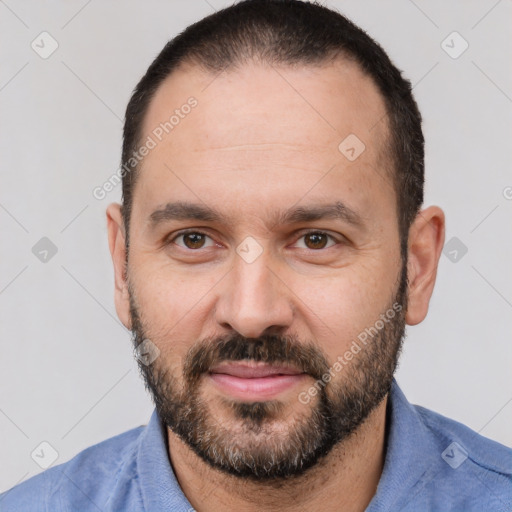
x=254 y=300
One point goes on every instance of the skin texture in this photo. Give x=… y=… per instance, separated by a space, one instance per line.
x=262 y=140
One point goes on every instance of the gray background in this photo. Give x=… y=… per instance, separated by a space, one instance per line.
x=67 y=372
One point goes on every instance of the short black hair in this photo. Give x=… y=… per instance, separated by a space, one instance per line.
x=289 y=32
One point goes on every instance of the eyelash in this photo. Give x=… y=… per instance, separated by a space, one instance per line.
x=195 y=231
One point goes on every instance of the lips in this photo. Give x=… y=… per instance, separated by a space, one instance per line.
x=254 y=370
x=254 y=381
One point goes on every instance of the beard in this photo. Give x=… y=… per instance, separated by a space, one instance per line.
x=272 y=440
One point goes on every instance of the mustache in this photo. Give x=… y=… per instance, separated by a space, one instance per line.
x=269 y=349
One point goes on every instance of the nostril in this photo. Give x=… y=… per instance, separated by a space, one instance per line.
x=274 y=330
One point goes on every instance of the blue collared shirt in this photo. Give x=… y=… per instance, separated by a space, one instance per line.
x=432 y=464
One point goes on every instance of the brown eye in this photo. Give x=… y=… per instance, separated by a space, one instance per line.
x=315 y=240
x=191 y=240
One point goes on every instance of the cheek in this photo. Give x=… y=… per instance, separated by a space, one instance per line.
x=172 y=303
x=342 y=306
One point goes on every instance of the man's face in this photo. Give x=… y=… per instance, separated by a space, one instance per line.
x=253 y=307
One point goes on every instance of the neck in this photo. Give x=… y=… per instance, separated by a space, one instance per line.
x=346 y=479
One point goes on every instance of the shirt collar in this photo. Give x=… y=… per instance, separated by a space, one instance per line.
x=159 y=488
x=409 y=458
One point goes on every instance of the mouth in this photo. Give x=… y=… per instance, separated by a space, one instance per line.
x=249 y=381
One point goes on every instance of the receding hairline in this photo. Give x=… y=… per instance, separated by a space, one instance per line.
x=194 y=63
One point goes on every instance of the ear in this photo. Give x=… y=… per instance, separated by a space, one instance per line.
x=426 y=240
x=117 y=244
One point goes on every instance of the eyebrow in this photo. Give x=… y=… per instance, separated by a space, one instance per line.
x=182 y=210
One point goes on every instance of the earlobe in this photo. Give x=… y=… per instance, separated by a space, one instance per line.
x=117 y=245
x=426 y=240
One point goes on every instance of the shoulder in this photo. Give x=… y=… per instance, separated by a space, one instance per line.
x=481 y=450
x=85 y=482
x=470 y=470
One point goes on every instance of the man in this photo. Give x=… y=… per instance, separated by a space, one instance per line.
x=269 y=251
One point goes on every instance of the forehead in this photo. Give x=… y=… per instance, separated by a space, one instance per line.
x=256 y=127
x=328 y=99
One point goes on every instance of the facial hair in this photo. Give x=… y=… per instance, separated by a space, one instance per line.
x=248 y=444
